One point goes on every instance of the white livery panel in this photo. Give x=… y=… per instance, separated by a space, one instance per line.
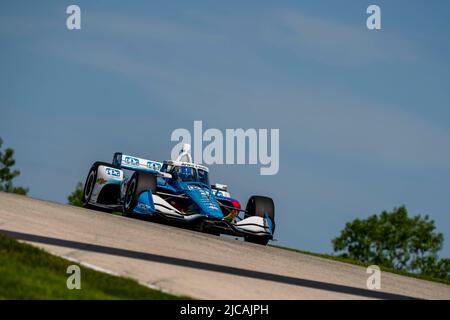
x=105 y=175
x=253 y=224
x=135 y=163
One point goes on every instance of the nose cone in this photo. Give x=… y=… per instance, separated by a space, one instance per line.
x=205 y=201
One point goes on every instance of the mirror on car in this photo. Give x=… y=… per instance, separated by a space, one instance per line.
x=166 y=175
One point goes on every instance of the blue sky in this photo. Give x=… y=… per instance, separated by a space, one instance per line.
x=364 y=116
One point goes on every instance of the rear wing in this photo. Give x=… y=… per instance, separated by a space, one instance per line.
x=124 y=161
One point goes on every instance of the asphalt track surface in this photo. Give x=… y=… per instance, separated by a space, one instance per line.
x=191 y=263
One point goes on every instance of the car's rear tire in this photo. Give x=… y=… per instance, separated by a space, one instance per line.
x=260 y=206
x=139 y=182
x=90 y=184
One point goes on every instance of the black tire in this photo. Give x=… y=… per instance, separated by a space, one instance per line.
x=90 y=183
x=139 y=182
x=259 y=206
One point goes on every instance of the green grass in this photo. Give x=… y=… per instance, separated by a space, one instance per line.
x=27 y=272
x=350 y=261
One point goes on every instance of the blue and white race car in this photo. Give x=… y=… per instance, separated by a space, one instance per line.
x=176 y=192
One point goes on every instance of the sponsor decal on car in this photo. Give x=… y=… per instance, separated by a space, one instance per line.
x=154 y=165
x=132 y=161
x=101 y=181
x=112 y=172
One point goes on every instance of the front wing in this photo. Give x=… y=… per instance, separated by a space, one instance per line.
x=154 y=205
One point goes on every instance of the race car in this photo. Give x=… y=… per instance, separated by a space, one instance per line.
x=176 y=192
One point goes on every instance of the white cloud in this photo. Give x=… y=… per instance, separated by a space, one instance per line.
x=338 y=43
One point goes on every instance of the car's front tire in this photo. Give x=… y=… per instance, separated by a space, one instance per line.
x=139 y=182
x=89 y=187
x=260 y=206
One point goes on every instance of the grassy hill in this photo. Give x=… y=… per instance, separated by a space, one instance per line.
x=27 y=272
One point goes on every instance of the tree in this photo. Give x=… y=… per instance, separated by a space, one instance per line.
x=76 y=197
x=7 y=174
x=394 y=240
